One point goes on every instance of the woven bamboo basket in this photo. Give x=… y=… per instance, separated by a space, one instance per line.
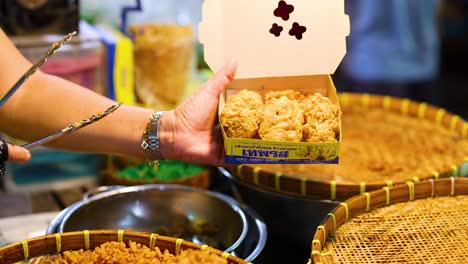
x=115 y=164
x=424 y=222
x=89 y=239
x=287 y=180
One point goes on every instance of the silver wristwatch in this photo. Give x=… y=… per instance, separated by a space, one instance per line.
x=151 y=139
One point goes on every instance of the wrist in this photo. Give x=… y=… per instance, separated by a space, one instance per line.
x=166 y=135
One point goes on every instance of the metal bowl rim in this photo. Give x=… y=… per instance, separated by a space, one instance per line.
x=233 y=204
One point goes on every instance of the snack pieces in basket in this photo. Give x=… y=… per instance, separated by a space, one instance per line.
x=241 y=114
x=117 y=252
x=287 y=115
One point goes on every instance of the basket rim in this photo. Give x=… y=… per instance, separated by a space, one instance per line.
x=380 y=198
x=333 y=190
x=88 y=239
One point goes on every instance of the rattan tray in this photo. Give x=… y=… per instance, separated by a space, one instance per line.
x=53 y=244
x=424 y=222
x=288 y=181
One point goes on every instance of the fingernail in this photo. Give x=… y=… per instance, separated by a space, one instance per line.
x=27 y=156
x=232 y=63
x=26 y=153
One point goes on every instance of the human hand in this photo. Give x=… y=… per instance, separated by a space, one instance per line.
x=9 y=152
x=190 y=132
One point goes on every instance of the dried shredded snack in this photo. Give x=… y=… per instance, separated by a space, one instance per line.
x=240 y=116
x=282 y=120
x=118 y=252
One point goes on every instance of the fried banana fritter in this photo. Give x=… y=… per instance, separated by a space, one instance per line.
x=282 y=120
x=240 y=117
x=319 y=132
x=286 y=115
x=321 y=119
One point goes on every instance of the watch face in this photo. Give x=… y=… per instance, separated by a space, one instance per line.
x=32 y=4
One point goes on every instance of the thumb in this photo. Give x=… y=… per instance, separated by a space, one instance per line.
x=17 y=153
x=221 y=79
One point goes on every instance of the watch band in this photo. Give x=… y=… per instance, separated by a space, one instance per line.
x=151 y=138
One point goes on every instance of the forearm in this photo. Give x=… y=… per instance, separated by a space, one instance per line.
x=58 y=103
x=46 y=104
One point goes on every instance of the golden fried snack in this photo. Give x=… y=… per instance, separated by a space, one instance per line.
x=282 y=120
x=291 y=94
x=319 y=132
x=240 y=116
x=310 y=102
x=322 y=119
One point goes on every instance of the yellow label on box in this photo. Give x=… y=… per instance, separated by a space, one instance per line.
x=241 y=151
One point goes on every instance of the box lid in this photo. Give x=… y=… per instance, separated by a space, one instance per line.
x=271 y=38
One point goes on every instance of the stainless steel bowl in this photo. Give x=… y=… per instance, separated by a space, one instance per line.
x=144 y=208
x=290 y=219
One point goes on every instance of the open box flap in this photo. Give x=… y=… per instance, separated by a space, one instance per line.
x=312 y=40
